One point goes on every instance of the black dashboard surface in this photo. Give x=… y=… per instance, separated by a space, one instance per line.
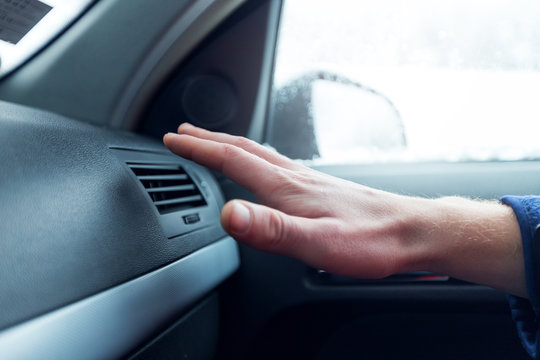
x=75 y=220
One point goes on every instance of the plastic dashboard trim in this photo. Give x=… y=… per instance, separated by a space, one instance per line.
x=112 y=323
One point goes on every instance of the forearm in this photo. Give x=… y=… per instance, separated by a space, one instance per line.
x=476 y=241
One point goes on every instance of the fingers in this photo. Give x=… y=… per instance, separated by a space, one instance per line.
x=268 y=229
x=241 y=142
x=242 y=167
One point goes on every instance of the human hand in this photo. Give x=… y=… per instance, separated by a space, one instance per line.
x=329 y=223
x=349 y=229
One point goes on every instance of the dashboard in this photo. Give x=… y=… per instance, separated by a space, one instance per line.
x=158 y=255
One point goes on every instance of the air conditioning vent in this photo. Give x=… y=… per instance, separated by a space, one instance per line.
x=169 y=186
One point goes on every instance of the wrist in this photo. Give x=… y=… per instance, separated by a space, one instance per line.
x=417 y=234
x=477 y=241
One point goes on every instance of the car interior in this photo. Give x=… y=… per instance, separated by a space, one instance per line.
x=112 y=246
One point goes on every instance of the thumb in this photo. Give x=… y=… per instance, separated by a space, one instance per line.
x=264 y=228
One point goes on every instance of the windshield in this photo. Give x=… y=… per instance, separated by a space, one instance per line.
x=29 y=25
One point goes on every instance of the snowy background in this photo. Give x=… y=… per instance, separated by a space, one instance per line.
x=464 y=75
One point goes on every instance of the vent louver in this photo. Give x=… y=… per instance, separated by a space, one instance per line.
x=169 y=186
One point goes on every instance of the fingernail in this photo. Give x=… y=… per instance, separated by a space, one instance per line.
x=185 y=125
x=240 y=218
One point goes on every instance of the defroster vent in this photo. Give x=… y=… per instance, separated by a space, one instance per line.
x=169 y=186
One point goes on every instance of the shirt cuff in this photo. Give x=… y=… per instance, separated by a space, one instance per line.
x=525 y=312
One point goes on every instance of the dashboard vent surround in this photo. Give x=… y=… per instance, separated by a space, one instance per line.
x=169 y=186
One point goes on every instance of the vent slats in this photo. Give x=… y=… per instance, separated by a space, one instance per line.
x=168 y=185
x=179 y=200
x=172 y=188
x=149 y=166
x=162 y=177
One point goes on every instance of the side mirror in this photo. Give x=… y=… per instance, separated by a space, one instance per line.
x=323 y=112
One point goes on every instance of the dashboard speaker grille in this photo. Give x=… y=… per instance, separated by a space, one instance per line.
x=169 y=186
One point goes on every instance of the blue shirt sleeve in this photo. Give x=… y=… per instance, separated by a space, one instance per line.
x=526 y=312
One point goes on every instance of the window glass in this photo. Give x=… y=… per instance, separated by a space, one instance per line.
x=28 y=25
x=416 y=80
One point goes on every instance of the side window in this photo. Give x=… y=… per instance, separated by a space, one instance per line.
x=419 y=80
